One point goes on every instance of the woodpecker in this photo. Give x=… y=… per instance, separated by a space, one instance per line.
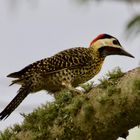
x=66 y=69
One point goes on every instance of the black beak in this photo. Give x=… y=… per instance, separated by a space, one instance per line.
x=109 y=50
x=123 y=52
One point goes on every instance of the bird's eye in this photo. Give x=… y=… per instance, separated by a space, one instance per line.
x=116 y=42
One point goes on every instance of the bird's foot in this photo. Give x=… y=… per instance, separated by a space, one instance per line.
x=67 y=85
x=75 y=91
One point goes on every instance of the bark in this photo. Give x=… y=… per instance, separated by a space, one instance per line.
x=104 y=113
x=116 y=108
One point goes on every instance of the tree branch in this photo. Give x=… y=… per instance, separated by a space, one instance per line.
x=106 y=112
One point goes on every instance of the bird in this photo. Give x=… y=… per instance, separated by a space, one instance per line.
x=64 y=70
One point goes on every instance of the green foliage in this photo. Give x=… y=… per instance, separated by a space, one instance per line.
x=111 y=78
x=49 y=120
x=6 y=135
x=88 y=111
x=133 y=26
x=88 y=86
x=137 y=85
x=116 y=73
x=108 y=84
x=112 y=89
x=76 y=106
x=70 y=116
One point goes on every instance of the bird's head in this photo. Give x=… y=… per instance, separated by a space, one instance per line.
x=106 y=45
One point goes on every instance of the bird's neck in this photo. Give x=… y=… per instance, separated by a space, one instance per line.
x=96 y=54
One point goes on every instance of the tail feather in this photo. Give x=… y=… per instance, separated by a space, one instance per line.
x=22 y=93
x=17 y=81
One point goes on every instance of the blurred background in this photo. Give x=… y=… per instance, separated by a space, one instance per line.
x=34 y=29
